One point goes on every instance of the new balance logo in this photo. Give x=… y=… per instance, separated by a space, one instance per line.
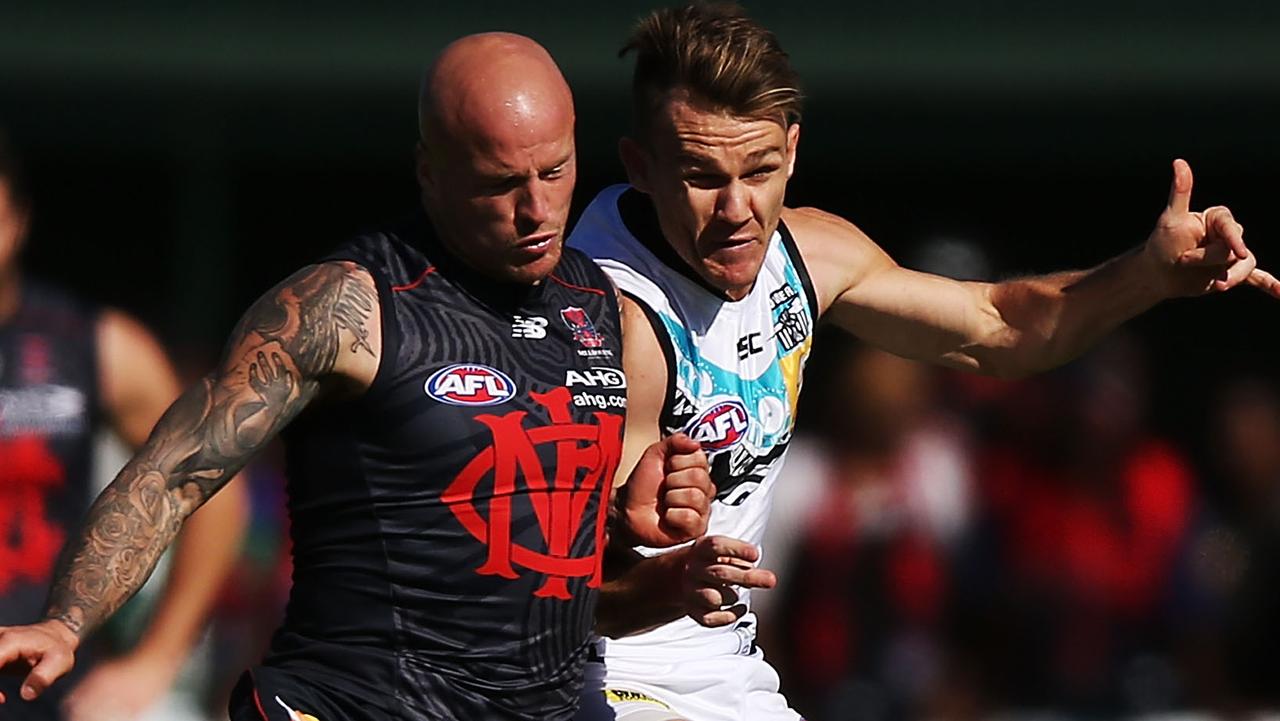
x=528 y=327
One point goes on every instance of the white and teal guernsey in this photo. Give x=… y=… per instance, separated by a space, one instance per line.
x=734 y=371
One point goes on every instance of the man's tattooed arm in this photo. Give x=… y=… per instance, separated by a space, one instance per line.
x=320 y=323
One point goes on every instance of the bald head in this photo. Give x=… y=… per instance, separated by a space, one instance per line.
x=491 y=87
x=496 y=162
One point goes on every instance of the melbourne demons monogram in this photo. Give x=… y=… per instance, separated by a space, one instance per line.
x=587 y=455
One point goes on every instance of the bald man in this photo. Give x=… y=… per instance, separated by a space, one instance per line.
x=460 y=374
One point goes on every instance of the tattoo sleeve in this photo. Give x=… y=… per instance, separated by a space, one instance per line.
x=275 y=360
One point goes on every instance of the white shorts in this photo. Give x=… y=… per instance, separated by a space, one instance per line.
x=721 y=688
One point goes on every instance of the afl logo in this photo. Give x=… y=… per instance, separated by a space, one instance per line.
x=720 y=427
x=469 y=384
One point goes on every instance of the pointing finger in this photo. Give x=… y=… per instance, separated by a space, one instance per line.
x=1180 y=189
x=756 y=578
x=1236 y=274
x=734 y=575
x=1264 y=281
x=732 y=548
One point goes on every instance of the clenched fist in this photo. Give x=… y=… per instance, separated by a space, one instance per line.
x=667 y=499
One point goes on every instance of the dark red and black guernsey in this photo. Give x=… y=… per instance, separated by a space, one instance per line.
x=448 y=525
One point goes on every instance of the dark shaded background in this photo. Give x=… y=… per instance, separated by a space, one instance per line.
x=183 y=159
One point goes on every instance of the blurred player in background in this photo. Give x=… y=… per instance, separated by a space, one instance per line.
x=455 y=401
x=66 y=369
x=732 y=283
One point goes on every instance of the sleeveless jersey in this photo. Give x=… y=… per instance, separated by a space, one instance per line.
x=48 y=402
x=447 y=525
x=734 y=372
x=48 y=393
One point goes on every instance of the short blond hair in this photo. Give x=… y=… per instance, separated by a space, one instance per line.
x=718 y=54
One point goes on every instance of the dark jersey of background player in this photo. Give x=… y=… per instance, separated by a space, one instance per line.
x=476 y=460
x=68 y=370
x=48 y=393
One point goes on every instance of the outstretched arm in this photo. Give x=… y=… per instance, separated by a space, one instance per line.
x=1025 y=325
x=317 y=331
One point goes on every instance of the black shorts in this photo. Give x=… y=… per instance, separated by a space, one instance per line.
x=268 y=694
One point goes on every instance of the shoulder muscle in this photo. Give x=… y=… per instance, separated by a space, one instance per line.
x=837 y=253
x=325 y=316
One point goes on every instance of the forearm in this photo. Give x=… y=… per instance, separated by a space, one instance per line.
x=127 y=529
x=1045 y=321
x=203 y=556
x=137 y=516
x=639 y=594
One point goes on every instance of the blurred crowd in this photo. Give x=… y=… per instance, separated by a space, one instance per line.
x=951 y=546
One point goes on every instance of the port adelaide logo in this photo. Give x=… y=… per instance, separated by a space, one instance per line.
x=470 y=384
x=721 y=426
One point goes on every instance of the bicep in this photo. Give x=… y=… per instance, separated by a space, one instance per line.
x=912 y=314
x=316 y=326
x=644 y=362
x=920 y=316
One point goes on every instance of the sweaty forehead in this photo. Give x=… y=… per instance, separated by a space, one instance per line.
x=504 y=158
x=500 y=132
x=503 y=102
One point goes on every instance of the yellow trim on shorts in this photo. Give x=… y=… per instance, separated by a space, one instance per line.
x=622 y=695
